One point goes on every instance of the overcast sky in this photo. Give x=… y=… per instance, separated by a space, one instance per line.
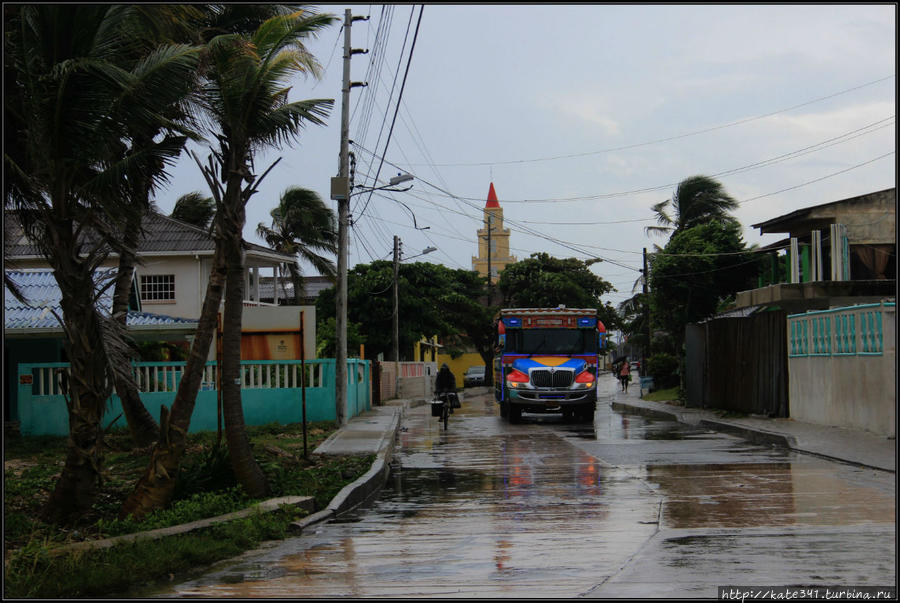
x=584 y=116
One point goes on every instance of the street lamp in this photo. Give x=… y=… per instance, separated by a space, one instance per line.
x=424 y=251
x=396 y=313
x=398 y=179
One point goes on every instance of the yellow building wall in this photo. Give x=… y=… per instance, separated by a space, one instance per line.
x=425 y=350
x=459 y=364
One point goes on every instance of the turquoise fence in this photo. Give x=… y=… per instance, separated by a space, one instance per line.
x=848 y=331
x=270 y=391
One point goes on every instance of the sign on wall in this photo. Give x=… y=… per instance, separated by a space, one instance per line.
x=270 y=345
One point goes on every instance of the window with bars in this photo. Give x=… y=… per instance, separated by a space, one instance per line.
x=157 y=287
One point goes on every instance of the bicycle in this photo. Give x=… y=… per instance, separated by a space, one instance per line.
x=442 y=406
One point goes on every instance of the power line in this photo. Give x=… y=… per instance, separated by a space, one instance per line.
x=670 y=138
x=847 y=136
x=582 y=251
x=412 y=49
x=858 y=165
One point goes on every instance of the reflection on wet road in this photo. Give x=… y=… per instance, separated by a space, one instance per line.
x=547 y=508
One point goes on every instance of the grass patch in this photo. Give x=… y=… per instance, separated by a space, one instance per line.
x=662 y=395
x=207 y=488
x=35 y=574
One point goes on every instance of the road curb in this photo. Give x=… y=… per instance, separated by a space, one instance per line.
x=757 y=436
x=366 y=486
x=267 y=506
x=647 y=412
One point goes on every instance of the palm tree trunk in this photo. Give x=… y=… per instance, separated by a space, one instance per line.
x=78 y=483
x=154 y=489
x=245 y=467
x=298 y=283
x=141 y=425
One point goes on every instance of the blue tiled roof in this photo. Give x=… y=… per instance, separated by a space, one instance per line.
x=39 y=288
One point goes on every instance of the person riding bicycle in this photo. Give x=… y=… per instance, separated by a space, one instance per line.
x=445 y=383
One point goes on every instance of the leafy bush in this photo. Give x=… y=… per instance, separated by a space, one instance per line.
x=211 y=472
x=664 y=370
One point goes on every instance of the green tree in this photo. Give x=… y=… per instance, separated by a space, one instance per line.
x=194 y=208
x=326 y=338
x=543 y=281
x=699 y=269
x=432 y=300
x=696 y=200
x=83 y=88
x=303 y=225
x=633 y=320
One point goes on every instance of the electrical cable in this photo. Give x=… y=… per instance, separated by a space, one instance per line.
x=566 y=245
x=846 y=137
x=399 y=97
x=671 y=138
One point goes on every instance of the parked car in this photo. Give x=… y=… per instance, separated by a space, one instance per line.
x=636 y=365
x=474 y=376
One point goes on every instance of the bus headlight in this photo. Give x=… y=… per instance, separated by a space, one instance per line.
x=584 y=380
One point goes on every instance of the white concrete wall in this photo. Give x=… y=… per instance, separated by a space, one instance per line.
x=851 y=390
x=190 y=285
x=416 y=380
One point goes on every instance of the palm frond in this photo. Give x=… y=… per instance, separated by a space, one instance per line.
x=657 y=230
x=280 y=126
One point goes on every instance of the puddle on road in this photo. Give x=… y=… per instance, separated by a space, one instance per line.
x=774 y=494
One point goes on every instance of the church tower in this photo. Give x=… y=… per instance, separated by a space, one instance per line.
x=493 y=240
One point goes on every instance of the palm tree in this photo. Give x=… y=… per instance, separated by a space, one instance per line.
x=302 y=225
x=245 y=97
x=167 y=124
x=696 y=200
x=194 y=208
x=80 y=85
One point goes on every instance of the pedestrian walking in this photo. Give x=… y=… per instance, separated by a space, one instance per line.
x=625 y=375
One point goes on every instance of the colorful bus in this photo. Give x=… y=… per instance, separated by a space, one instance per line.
x=547 y=361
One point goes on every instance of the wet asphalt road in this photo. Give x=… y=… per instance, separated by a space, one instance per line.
x=627 y=507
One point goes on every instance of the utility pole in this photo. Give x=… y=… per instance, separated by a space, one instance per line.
x=396 y=315
x=490 y=276
x=646 y=354
x=340 y=191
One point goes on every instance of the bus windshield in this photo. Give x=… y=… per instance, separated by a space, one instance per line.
x=551 y=341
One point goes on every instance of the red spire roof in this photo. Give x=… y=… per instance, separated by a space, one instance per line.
x=492 y=198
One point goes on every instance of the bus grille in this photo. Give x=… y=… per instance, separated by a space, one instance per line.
x=545 y=378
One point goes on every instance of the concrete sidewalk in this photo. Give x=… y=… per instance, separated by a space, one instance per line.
x=852 y=446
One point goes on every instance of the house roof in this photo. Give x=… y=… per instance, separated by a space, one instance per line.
x=783 y=223
x=162 y=236
x=42 y=295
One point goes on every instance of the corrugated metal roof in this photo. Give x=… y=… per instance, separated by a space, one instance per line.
x=42 y=293
x=161 y=234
